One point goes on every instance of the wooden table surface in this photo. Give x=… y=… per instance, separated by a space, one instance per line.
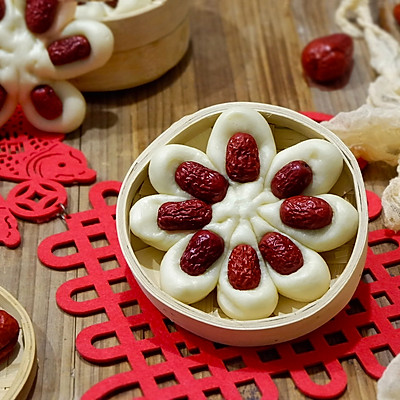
x=240 y=50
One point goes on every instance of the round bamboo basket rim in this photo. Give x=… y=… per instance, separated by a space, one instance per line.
x=350 y=275
x=142 y=10
x=27 y=369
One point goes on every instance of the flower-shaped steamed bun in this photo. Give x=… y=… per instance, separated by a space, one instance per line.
x=42 y=47
x=244 y=219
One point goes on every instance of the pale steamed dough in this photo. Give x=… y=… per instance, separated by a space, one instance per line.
x=244 y=121
x=342 y=228
x=165 y=162
x=143 y=222
x=306 y=284
x=324 y=159
x=183 y=286
x=256 y=303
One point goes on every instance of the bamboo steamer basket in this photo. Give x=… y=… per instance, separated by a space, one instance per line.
x=18 y=371
x=203 y=318
x=147 y=43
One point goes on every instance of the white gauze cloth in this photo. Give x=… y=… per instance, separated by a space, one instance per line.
x=388 y=387
x=373 y=130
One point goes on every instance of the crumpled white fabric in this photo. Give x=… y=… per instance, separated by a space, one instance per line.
x=373 y=130
x=388 y=387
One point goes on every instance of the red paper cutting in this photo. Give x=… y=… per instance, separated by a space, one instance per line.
x=41 y=166
x=9 y=235
x=317 y=116
x=368 y=325
x=374 y=205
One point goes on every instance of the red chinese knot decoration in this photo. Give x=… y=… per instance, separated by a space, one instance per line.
x=368 y=325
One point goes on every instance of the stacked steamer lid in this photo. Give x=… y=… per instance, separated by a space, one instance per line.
x=150 y=38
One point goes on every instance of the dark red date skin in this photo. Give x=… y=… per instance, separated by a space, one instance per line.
x=396 y=13
x=111 y=3
x=292 y=179
x=2 y=9
x=9 y=331
x=201 y=182
x=69 y=49
x=281 y=253
x=306 y=212
x=329 y=58
x=203 y=249
x=244 y=271
x=3 y=96
x=46 y=102
x=40 y=14
x=188 y=214
x=242 y=158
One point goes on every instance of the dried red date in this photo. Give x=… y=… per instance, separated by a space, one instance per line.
x=3 y=96
x=244 y=271
x=46 y=102
x=281 y=253
x=242 y=158
x=189 y=214
x=306 y=212
x=203 y=249
x=69 y=49
x=291 y=179
x=2 y=9
x=328 y=58
x=112 y=3
x=201 y=182
x=40 y=14
x=396 y=13
x=9 y=331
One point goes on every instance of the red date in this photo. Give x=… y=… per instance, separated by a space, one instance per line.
x=2 y=9
x=203 y=249
x=201 y=182
x=329 y=58
x=244 y=271
x=291 y=179
x=281 y=253
x=40 y=14
x=9 y=331
x=180 y=215
x=396 y=13
x=242 y=158
x=111 y=3
x=306 y=212
x=69 y=49
x=46 y=102
x=3 y=96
